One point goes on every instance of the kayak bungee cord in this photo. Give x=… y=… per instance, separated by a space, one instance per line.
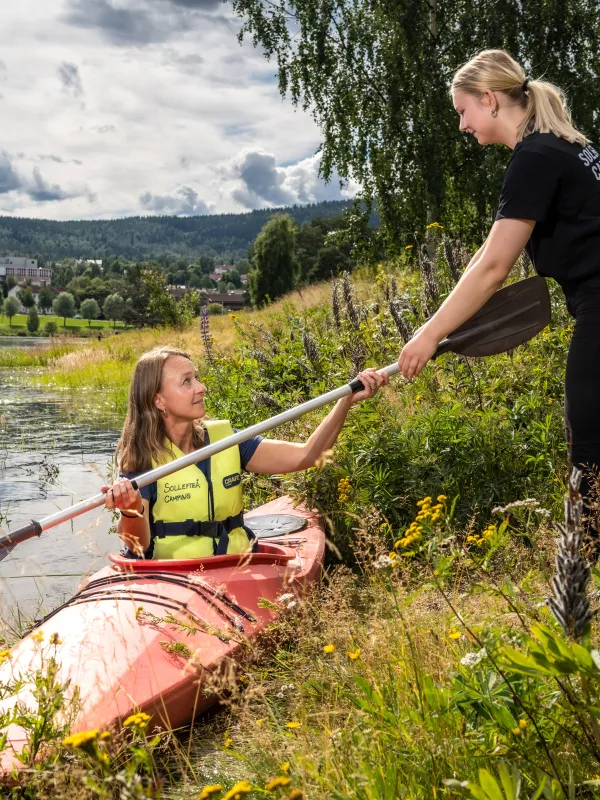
x=167 y=577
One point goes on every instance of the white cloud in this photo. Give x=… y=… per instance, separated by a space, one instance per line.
x=178 y=118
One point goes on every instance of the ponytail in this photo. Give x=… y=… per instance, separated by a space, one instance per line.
x=545 y=104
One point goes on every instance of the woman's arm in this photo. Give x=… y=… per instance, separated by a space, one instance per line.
x=478 y=283
x=274 y=456
x=133 y=529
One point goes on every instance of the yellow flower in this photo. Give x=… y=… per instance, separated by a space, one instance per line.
x=353 y=654
x=516 y=731
x=285 y=767
x=471 y=538
x=243 y=787
x=434 y=225
x=522 y=723
x=330 y=648
x=409 y=247
x=292 y=725
x=81 y=739
x=280 y=780
x=209 y=790
x=38 y=637
x=295 y=794
x=105 y=736
x=418 y=398
x=260 y=722
x=454 y=634
x=4 y=656
x=441 y=498
x=139 y=720
x=54 y=639
x=228 y=741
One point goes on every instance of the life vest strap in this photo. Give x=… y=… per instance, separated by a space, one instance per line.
x=190 y=527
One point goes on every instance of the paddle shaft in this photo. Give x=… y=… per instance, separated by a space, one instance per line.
x=35 y=528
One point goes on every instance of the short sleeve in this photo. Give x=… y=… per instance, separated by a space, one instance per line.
x=530 y=183
x=148 y=492
x=247 y=450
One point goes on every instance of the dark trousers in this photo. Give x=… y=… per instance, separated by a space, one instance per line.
x=582 y=391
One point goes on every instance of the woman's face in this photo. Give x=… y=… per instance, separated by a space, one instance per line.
x=181 y=394
x=476 y=115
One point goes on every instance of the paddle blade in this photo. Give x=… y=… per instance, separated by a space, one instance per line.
x=13 y=538
x=512 y=316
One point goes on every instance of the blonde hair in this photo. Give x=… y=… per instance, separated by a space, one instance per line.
x=545 y=104
x=143 y=437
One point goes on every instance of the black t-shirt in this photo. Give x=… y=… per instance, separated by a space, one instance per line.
x=557 y=184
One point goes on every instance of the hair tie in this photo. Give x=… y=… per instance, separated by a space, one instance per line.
x=525 y=85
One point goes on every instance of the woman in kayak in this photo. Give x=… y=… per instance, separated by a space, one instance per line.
x=198 y=511
x=549 y=204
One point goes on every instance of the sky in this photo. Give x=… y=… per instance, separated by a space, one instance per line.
x=115 y=108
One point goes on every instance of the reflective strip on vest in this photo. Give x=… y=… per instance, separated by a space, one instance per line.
x=185 y=495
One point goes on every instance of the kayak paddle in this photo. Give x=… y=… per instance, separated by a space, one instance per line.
x=512 y=316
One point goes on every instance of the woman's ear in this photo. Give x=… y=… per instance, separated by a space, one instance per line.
x=159 y=403
x=489 y=99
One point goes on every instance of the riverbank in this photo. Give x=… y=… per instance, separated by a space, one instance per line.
x=398 y=675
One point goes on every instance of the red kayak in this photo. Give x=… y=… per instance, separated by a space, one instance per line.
x=122 y=654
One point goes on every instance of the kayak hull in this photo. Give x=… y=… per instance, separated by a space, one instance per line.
x=148 y=635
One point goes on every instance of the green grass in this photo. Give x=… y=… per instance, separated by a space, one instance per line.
x=80 y=326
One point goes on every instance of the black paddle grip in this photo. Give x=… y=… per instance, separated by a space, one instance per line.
x=21 y=534
x=356 y=385
x=134 y=484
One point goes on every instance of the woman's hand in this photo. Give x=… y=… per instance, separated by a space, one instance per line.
x=373 y=381
x=122 y=495
x=416 y=353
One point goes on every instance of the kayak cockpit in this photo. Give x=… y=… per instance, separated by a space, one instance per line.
x=266 y=554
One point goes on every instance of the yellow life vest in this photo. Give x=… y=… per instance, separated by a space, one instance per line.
x=194 y=517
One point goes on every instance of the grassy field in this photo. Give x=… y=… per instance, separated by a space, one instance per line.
x=80 y=326
x=428 y=662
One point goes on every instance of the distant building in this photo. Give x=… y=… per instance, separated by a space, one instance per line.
x=24 y=269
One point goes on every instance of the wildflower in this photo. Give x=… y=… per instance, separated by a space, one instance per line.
x=295 y=794
x=454 y=634
x=139 y=720
x=292 y=604
x=335 y=305
x=210 y=790
x=4 y=656
x=280 y=780
x=522 y=724
x=106 y=736
x=441 y=498
x=329 y=648
x=38 y=636
x=434 y=225
x=54 y=639
x=227 y=740
x=261 y=722
x=383 y=561
x=293 y=724
x=418 y=398
x=516 y=731
x=409 y=247
x=81 y=739
x=285 y=767
x=344 y=489
x=240 y=788
x=472 y=659
x=353 y=654
x=285 y=597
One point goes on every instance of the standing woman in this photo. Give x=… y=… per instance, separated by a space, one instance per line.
x=197 y=512
x=550 y=205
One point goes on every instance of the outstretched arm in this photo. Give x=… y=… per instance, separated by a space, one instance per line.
x=275 y=456
x=478 y=283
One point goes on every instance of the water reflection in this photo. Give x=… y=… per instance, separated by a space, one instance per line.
x=49 y=461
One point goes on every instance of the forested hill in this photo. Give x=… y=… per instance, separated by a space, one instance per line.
x=225 y=236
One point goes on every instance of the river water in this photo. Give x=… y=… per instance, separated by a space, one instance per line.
x=49 y=461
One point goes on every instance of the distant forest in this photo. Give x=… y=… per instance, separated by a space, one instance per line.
x=226 y=237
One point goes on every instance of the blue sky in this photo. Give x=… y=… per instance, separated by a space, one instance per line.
x=113 y=108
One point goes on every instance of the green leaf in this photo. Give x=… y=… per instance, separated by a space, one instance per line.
x=490 y=785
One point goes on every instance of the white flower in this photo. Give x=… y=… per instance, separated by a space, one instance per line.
x=382 y=562
x=285 y=597
x=292 y=604
x=472 y=659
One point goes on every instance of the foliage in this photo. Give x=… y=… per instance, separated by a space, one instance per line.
x=26 y=297
x=51 y=328
x=114 y=307
x=272 y=273
x=9 y=308
x=33 y=320
x=45 y=299
x=90 y=310
x=375 y=77
x=64 y=306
